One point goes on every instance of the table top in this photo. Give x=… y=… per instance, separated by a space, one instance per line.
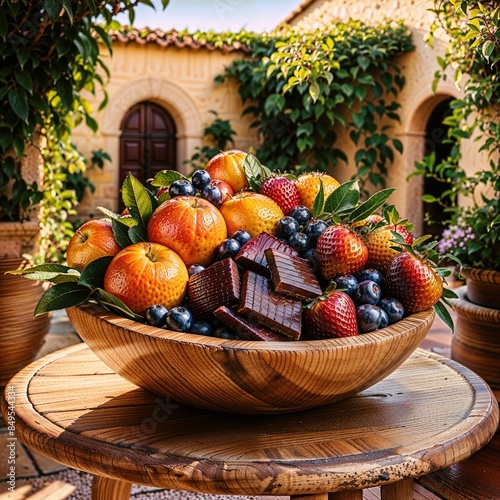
x=429 y=414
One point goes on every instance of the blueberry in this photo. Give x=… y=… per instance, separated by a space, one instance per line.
x=372 y=275
x=202 y=328
x=228 y=248
x=200 y=179
x=300 y=213
x=212 y=194
x=223 y=333
x=310 y=255
x=179 y=319
x=314 y=229
x=367 y=292
x=241 y=236
x=393 y=307
x=385 y=319
x=300 y=242
x=194 y=268
x=156 y=315
x=346 y=282
x=287 y=226
x=181 y=187
x=369 y=317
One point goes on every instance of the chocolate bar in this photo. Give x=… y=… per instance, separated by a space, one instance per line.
x=261 y=304
x=245 y=329
x=292 y=275
x=215 y=286
x=251 y=255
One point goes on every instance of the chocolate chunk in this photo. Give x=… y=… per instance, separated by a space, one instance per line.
x=246 y=330
x=292 y=275
x=261 y=304
x=251 y=255
x=215 y=286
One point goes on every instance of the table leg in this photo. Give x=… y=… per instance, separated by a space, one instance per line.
x=341 y=495
x=400 y=490
x=104 y=488
x=346 y=495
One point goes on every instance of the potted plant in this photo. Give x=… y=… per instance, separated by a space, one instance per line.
x=50 y=52
x=472 y=200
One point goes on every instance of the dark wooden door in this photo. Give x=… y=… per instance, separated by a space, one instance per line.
x=147 y=142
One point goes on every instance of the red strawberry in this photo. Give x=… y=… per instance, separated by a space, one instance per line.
x=331 y=315
x=340 y=251
x=282 y=190
x=378 y=241
x=414 y=282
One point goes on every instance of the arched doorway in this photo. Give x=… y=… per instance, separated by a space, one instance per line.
x=147 y=142
x=435 y=134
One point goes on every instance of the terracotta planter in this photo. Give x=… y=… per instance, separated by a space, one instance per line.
x=21 y=335
x=483 y=286
x=476 y=342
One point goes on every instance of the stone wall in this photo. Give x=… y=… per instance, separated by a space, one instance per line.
x=417 y=98
x=181 y=81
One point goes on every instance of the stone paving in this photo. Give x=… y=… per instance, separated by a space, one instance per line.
x=38 y=477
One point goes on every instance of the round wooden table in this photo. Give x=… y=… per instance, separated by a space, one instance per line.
x=429 y=414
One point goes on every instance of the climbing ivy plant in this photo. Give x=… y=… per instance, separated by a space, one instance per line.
x=303 y=88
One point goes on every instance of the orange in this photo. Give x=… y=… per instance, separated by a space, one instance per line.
x=191 y=226
x=227 y=166
x=308 y=186
x=252 y=212
x=94 y=239
x=145 y=274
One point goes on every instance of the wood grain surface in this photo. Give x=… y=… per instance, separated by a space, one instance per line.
x=429 y=414
x=248 y=377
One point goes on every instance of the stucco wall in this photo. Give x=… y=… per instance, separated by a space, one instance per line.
x=180 y=80
x=417 y=98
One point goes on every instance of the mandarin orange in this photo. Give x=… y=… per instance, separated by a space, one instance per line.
x=144 y=274
x=308 y=185
x=191 y=226
x=92 y=240
x=227 y=166
x=252 y=212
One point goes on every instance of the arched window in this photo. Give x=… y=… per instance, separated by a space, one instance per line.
x=147 y=142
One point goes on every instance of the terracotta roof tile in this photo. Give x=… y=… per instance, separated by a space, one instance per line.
x=297 y=11
x=165 y=38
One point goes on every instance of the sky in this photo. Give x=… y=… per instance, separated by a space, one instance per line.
x=219 y=15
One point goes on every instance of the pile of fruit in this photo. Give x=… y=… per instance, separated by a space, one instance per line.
x=237 y=251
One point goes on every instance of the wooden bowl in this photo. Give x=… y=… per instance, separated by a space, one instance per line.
x=247 y=377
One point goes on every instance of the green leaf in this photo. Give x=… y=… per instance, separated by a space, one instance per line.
x=252 y=167
x=138 y=233
x=62 y=296
x=23 y=78
x=444 y=314
x=449 y=294
x=371 y=205
x=274 y=102
x=19 y=103
x=137 y=199
x=64 y=90
x=121 y=232
x=319 y=201
x=93 y=274
x=165 y=177
x=345 y=197
x=53 y=8
x=115 y=305
x=488 y=48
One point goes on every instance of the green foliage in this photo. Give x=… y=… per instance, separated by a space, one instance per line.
x=302 y=87
x=218 y=136
x=473 y=200
x=50 y=56
x=72 y=288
